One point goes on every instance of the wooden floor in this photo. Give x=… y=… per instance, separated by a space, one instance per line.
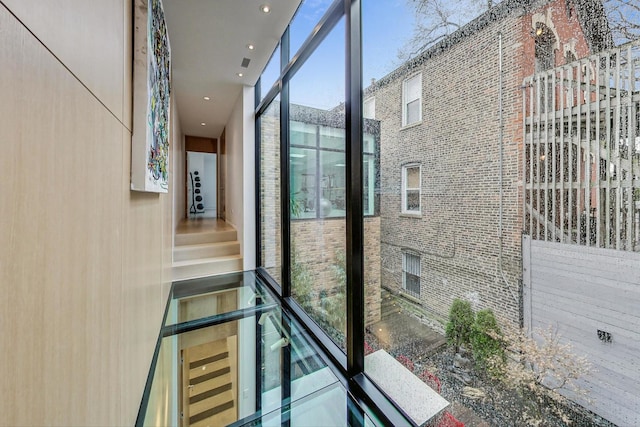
x=198 y=225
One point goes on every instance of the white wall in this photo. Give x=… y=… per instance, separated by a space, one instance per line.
x=240 y=181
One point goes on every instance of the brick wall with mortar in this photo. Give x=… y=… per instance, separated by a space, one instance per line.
x=317 y=243
x=457 y=143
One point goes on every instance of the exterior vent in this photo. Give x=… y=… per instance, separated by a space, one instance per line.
x=245 y=62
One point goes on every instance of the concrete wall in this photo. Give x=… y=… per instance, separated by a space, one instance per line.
x=85 y=262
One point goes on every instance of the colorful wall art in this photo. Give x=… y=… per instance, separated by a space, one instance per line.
x=151 y=104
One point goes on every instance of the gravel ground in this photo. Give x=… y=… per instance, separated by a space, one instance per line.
x=499 y=407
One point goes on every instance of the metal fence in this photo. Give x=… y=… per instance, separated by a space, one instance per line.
x=581 y=159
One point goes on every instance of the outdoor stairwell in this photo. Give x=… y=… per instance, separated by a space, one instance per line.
x=200 y=251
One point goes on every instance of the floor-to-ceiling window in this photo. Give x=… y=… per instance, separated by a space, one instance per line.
x=422 y=210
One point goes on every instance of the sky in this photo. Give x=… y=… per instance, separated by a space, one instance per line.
x=387 y=25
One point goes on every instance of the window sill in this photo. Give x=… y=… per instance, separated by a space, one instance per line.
x=412 y=125
x=409 y=297
x=410 y=215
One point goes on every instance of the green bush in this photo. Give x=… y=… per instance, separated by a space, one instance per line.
x=458 y=329
x=486 y=338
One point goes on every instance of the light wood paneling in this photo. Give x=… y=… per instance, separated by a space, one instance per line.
x=61 y=233
x=582 y=290
x=85 y=263
x=87 y=36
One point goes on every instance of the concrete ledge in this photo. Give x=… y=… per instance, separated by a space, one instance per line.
x=416 y=398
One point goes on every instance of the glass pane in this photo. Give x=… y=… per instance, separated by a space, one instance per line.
x=413 y=200
x=307 y=17
x=413 y=177
x=304 y=198
x=196 y=299
x=332 y=183
x=332 y=137
x=412 y=283
x=213 y=373
x=304 y=134
x=413 y=111
x=271 y=73
x=318 y=239
x=270 y=201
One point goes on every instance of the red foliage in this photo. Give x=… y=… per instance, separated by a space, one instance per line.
x=448 y=420
x=431 y=380
x=406 y=362
x=367 y=348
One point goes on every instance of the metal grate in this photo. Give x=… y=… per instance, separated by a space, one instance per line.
x=411 y=273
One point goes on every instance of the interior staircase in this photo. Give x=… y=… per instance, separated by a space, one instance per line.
x=202 y=250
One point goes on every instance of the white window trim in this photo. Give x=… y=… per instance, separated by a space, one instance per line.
x=404 y=189
x=371 y=101
x=406 y=101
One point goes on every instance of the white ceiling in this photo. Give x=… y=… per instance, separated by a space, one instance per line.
x=209 y=39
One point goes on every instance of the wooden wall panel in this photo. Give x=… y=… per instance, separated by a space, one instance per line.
x=201 y=145
x=87 y=36
x=84 y=262
x=582 y=290
x=61 y=230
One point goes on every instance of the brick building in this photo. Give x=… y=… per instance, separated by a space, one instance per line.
x=451 y=158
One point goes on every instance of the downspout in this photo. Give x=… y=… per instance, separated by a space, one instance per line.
x=501 y=143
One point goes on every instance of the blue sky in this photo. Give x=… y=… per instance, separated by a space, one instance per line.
x=387 y=25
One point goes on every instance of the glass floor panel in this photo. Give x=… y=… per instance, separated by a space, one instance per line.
x=229 y=355
x=210 y=296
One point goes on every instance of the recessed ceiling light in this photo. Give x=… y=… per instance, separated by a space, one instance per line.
x=206 y=98
x=250 y=46
x=265 y=8
x=240 y=74
x=203 y=124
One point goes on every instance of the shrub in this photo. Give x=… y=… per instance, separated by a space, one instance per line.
x=539 y=367
x=486 y=338
x=458 y=329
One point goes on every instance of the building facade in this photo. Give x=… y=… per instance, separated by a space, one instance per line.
x=451 y=153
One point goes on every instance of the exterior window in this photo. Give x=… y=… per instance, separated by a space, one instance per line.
x=411 y=273
x=317 y=162
x=412 y=100
x=411 y=179
x=369 y=108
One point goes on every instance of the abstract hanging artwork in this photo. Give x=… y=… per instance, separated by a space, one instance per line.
x=152 y=90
